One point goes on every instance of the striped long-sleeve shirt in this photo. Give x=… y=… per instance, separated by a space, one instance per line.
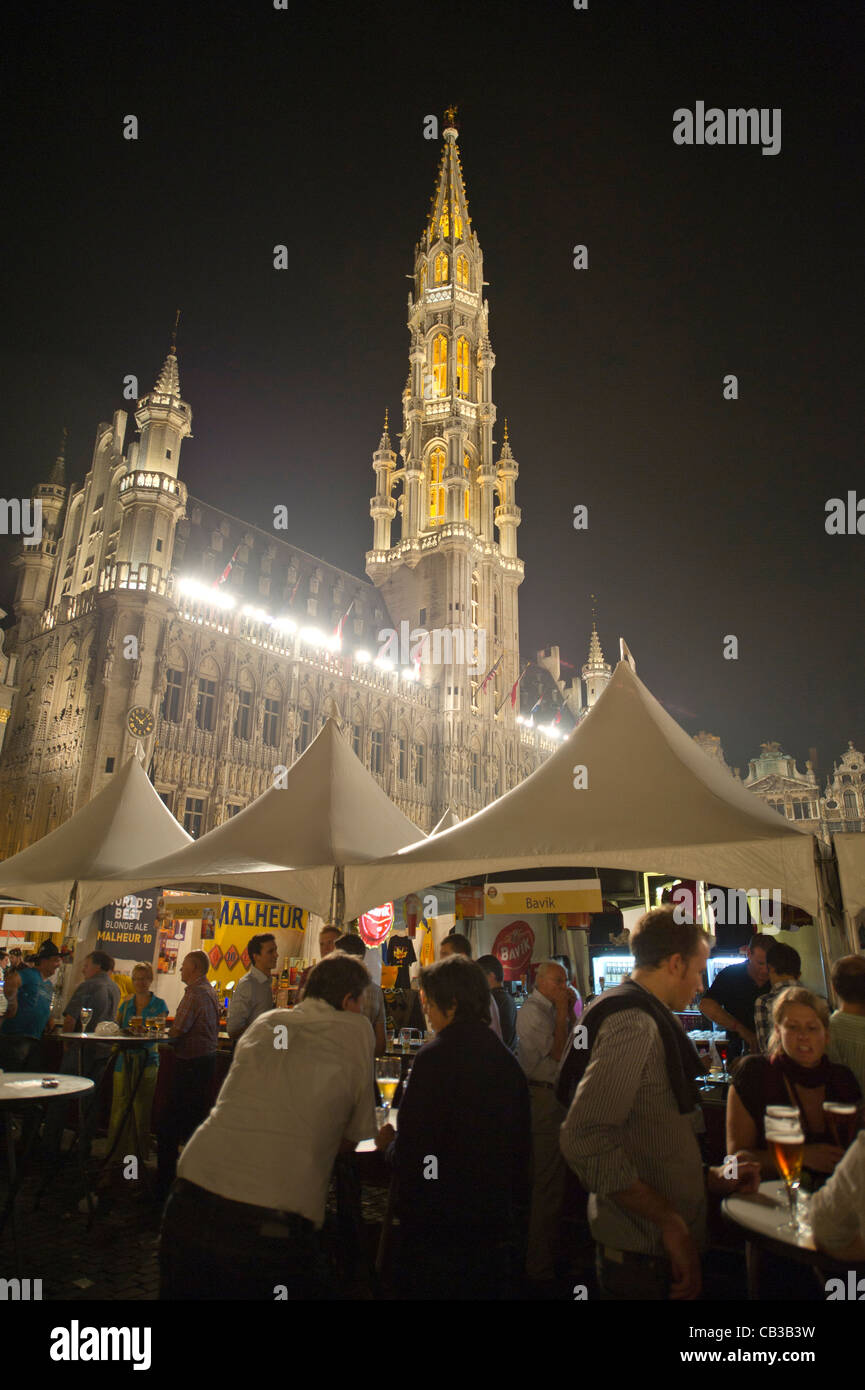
x=624 y=1125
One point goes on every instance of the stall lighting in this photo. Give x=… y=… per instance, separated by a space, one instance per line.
x=362 y=658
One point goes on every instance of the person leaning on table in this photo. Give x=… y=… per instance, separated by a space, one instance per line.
x=249 y=1201
x=797 y=1073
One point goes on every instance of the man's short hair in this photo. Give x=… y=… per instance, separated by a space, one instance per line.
x=351 y=945
x=848 y=979
x=784 y=959
x=255 y=943
x=760 y=942
x=201 y=959
x=459 y=984
x=491 y=965
x=460 y=944
x=335 y=977
x=102 y=959
x=657 y=936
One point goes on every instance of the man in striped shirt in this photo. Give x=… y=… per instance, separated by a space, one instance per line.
x=630 y=1132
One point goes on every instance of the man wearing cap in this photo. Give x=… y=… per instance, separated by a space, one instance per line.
x=29 y=993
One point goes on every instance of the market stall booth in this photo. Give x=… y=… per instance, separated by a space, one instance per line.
x=628 y=789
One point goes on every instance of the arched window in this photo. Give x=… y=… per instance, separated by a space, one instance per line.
x=423 y=278
x=463 y=272
x=305 y=727
x=440 y=364
x=475 y=768
x=462 y=366
x=243 y=717
x=442 y=268
x=436 y=488
x=850 y=802
x=495 y=615
x=376 y=751
x=272 y=714
x=467 y=465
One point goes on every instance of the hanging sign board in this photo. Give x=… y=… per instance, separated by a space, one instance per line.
x=514 y=946
x=375 y=924
x=560 y=895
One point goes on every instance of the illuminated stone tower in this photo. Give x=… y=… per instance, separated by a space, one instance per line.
x=454 y=566
x=152 y=499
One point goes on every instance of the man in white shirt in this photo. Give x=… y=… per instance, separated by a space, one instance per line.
x=254 y=993
x=252 y=1182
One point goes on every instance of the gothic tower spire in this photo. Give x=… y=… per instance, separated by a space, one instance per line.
x=596 y=672
x=454 y=566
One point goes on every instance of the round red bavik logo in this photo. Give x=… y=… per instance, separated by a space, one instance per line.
x=513 y=947
x=375 y=925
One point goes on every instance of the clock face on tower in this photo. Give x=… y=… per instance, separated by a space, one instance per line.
x=140 y=721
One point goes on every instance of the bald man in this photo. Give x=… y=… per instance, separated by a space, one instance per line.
x=543 y=1026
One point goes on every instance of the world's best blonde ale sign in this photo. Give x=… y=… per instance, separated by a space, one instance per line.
x=560 y=895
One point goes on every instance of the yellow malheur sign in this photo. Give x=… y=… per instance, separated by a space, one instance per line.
x=560 y=895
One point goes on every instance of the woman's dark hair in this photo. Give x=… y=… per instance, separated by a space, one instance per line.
x=460 y=984
x=335 y=977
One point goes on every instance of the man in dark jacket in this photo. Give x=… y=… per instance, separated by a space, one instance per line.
x=492 y=968
x=465 y=1112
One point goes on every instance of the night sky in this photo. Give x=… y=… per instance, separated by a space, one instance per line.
x=305 y=127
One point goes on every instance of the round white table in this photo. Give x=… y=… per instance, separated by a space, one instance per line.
x=16 y=1088
x=761 y=1216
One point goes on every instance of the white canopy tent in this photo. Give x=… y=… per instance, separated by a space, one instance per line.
x=449 y=819
x=126 y=820
x=850 y=852
x=652 y=798
x=292 y=843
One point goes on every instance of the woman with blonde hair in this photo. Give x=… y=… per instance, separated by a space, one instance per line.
x=144 y=1004
x=796 y=1073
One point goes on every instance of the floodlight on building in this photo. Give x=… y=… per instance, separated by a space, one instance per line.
x=362 y=658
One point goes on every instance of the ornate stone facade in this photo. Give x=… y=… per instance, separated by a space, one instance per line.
x=775 y=778
x=148 y=616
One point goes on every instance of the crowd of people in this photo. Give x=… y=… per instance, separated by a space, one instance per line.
x=500 y=1103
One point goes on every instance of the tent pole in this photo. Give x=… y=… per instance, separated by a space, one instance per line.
x=337 y=898
x=823 y=918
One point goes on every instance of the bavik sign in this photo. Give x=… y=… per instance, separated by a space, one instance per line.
x=559 y=895
x=513 y=947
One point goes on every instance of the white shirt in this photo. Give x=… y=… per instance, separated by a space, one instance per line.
x=837 y=1210
x=273 y=1135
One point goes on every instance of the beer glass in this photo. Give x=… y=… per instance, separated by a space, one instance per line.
x=86 y=1015
x=840 y=1117
x=387 y=1075
x=786 y=1142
